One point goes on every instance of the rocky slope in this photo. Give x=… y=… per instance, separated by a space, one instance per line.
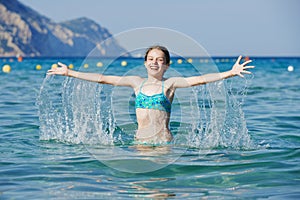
x=25 y=32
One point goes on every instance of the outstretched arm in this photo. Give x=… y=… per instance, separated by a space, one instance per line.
x=63 y=70
x=237 y=70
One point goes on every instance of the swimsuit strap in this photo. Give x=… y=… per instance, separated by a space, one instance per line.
x=142 y=85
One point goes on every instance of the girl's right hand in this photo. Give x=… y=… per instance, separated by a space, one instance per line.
x=62 y=69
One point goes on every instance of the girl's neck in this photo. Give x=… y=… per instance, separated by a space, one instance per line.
x=154 y=79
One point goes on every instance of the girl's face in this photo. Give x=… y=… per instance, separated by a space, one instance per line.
x=156 y=63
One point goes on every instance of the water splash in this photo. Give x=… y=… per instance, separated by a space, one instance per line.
x=76 y=111
x=71 y=112
x=222 y=122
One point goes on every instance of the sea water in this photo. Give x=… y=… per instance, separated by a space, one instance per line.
x=71 y=139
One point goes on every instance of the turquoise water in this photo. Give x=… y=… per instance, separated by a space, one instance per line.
x=253 y=154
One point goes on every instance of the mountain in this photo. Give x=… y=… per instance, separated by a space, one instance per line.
x=25 y=32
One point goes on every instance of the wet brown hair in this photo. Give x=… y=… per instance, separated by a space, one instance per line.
x=163 y=49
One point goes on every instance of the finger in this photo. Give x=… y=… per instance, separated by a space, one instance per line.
x=248 y=61
x=246 y=72
x=239 y=59
x=248 y=67
x=241 y=75
x=61 y=64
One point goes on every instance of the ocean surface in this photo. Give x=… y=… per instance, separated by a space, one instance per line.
x=63 y=138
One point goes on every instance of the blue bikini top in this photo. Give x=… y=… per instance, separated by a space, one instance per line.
x=156 y=101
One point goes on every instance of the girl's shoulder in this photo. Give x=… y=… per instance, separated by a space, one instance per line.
x=172 y=80
x=169 y=82
x=136 y=81
x=176 y=82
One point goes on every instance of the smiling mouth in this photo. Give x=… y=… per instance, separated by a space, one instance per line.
x=154 y=67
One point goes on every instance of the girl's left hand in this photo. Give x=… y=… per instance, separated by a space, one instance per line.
x=238 y=69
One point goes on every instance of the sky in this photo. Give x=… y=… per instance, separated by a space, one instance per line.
x=221 y=27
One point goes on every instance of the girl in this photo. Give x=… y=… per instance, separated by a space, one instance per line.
x=154 y=94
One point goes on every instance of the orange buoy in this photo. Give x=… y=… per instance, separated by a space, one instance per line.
x=20 y=58
x=246 y=58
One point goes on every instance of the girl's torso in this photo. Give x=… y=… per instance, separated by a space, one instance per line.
x=153 y=110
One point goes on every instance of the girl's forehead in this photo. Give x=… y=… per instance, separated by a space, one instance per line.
x=156 y=52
